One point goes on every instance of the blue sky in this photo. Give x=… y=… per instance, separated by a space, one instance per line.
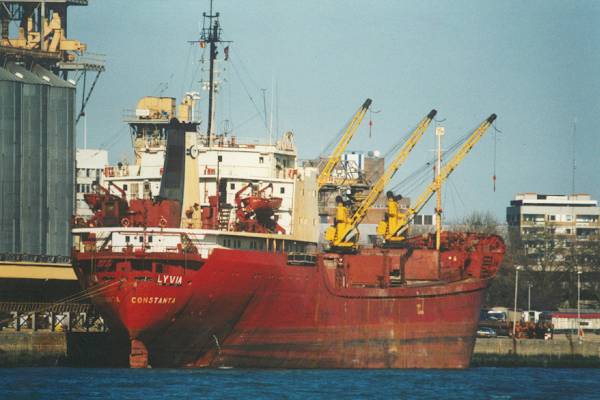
x=534 y=63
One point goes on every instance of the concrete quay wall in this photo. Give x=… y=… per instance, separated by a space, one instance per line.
x=560 y=352
x=46 y=349
x=32 y=349
x=87 y=349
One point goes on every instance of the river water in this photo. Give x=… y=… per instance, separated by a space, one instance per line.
x=475 y=383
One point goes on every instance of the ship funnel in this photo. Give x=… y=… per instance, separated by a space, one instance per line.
x=180 y=172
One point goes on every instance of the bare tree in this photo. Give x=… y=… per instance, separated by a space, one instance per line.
x=480 y=222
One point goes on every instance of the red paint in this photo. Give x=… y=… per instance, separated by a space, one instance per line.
x=111 y=210
x=252 y=309
x=573 y=315
x=256 y=213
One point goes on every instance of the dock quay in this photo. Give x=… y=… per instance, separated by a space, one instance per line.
x=62 y=349
x=57 y=334
x=28 y=348
x=562 y=351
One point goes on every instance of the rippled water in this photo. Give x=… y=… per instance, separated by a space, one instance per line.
x=475 y=383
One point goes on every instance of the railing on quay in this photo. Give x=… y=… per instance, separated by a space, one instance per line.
x=54 y=317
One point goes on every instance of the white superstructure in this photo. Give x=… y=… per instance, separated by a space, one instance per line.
x=224 y=167
x=90 y=168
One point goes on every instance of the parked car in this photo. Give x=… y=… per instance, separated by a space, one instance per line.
x=484 y=332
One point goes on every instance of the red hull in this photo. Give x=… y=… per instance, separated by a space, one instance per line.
x=253 y=309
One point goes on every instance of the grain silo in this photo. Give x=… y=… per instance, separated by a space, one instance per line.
x=37 y=127
x=10 y=133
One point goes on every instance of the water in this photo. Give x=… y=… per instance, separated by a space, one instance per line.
x=475 y=383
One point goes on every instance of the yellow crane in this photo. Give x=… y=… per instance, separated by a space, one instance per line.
x=397 y=221
x=339 y=235
x=336 y=155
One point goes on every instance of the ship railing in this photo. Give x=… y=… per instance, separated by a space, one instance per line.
x=296 y=258
x=41 y=258
x=186 y=241
x=124 y=170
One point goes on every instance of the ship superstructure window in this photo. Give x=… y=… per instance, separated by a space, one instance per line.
x=141 y=265
x=261 y=160
x=127 y=239
x=232 y=186
x=282 y=190
x=220 y=158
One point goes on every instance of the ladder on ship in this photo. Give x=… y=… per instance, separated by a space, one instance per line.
x=224 y=218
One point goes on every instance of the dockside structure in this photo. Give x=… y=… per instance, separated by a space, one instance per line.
x=37 y=134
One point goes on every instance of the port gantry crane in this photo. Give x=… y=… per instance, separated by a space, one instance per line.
x=339 y=235
x=397 y=222
x=336 y=155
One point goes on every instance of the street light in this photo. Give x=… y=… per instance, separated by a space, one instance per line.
x=578 y=302
x=515 y=311
x=529 y=286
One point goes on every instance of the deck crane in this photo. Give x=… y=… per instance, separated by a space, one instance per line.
x=397 y=222
x=339 y=235
x=336 y=155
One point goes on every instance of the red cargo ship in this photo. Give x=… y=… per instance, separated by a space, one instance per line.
x=194 y=284
x=396 y=308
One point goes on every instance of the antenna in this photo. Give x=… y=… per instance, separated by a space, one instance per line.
x=265 y=113
x=271 y=110
x=212 y=36
x=574 y=164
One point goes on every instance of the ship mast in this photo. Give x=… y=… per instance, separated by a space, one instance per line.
x=212 y=36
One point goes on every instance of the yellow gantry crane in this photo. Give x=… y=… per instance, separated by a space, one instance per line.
x=397 y=222
x=339 y=235
x=336 y=155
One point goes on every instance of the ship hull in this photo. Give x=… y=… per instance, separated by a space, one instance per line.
x=254 y=309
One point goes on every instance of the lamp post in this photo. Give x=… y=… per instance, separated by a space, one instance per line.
x=515 y=311
x=578 y=304
x=529 y=286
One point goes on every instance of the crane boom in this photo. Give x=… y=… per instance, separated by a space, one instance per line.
x=338 y=234
x=336 y=155
x=446 y=170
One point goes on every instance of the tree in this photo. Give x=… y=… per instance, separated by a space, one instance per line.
x=480 y=222
x=549 y=263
